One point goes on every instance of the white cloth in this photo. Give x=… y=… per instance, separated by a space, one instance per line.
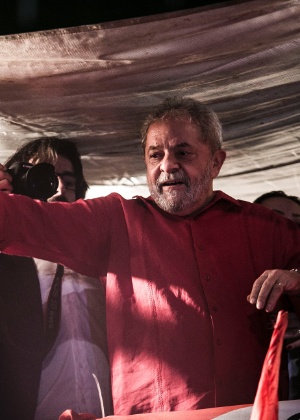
x=67 y=380
x=287 y=409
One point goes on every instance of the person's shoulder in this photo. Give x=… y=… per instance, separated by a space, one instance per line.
x=113 y=197
x=226 y=199
x=267 y=216
x=253 y=210
x=114 y=201
x=134 y=200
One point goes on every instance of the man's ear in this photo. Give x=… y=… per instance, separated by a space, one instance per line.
x=217 y=162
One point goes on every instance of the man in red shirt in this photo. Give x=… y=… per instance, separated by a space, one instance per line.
x=178 y=267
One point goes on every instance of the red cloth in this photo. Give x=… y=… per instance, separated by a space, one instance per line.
x=266 y=400
x=181 y=334
x=204 y=414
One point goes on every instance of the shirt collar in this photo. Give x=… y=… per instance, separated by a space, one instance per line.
x=218 y=196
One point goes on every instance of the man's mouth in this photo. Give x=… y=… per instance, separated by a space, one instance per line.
x=171 y=183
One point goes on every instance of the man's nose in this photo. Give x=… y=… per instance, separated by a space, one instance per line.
x=169 y=163
x=61 y=189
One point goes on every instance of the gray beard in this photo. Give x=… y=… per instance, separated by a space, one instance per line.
x=177 y=201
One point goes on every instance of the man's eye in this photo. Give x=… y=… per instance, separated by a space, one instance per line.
x=154 y=156
x=70 y=184
x=183 y=153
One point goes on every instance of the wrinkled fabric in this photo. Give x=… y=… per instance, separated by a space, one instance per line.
x=266 y=400
x=96 y=83
x=181 y=334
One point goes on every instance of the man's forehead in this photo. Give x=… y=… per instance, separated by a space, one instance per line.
x=173 y=134
x=170 y=145
x=281 y=203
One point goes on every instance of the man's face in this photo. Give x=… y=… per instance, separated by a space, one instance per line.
x=180 y=167
x=66 y=180
x=285 y=207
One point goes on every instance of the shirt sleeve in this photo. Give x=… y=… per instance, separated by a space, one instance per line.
x=72 y=234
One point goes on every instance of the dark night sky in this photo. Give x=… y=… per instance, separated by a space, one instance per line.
x=18 y=16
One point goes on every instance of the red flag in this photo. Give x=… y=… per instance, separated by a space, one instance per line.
x=266 y=400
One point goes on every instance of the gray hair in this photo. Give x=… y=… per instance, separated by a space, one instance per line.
x=178 y=107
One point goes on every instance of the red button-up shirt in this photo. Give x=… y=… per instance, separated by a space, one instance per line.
x=181 y=333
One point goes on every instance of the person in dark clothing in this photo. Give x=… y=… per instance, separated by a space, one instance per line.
x=288 y=206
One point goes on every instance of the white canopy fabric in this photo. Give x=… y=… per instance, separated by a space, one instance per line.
x=96 y=83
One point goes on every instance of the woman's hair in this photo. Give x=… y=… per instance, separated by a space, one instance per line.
x=198 y=113
x=46 y=149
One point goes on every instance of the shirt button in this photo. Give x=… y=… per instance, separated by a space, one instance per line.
x=214 y=308
x=207 y=277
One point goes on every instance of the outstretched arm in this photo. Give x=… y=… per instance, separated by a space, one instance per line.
x=72 y=234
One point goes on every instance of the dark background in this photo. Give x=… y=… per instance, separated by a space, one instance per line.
x=17 y=16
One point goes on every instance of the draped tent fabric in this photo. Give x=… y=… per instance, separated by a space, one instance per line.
x=96 y=83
